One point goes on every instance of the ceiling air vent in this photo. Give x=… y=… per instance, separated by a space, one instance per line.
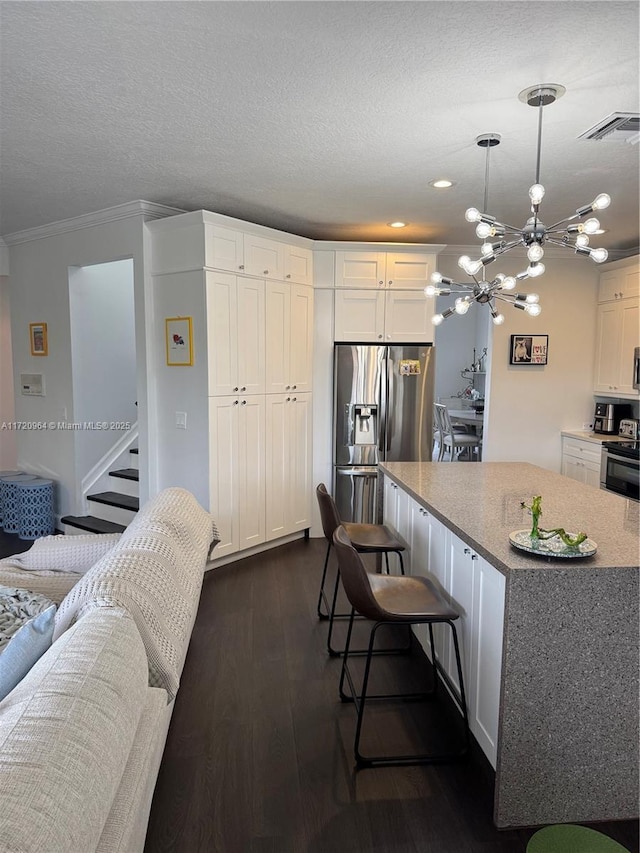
x=619 y=126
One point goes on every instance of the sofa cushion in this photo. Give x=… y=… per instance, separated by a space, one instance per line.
x=66 y=733
x=17 y=606
x=53 y=585
x=155 y=571
x=60 y=553
x=25 y=647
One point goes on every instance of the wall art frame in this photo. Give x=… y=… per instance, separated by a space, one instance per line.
x=179 y=341
x=38 y=339
x=529 y=350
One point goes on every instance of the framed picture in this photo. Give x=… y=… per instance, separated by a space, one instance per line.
x=38 y=339
x=529 y=349
x=179 y=341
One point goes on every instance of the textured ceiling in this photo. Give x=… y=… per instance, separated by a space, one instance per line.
x=327 y=119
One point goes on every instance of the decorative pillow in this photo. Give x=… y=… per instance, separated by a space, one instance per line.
x=27 y=645
x=64 y=553
x=17 y=606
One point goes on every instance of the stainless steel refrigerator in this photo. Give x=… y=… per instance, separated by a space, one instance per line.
x=383 y=411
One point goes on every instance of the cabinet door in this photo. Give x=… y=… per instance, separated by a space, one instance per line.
x=629 y=339
x=251 y=335
x=300 y=373
x=390 y=505
x=460 y=587
x=298 y=264
x=574 y=468
x=483 y=686
x=408 y=317
x=277 y=464
x=278 y=322
x=406 y=270
x=360 y=269
x=592 y=474
x=224 y=248
x=222 y=333
x=608 y=348
x=359 y=316
x=250 y=465
x=263 y=257
x=300 y=418
x=223 y=476
x=619 y=284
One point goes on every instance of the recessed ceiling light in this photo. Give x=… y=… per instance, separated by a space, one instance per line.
x=397 y=224
x=441 y=184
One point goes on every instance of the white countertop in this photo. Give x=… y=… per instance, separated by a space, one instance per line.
x=594 y=437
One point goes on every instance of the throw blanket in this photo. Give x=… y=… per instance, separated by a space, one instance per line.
x=155 y=571
x=18 y=606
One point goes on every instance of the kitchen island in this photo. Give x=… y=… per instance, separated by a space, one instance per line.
x=550 y=645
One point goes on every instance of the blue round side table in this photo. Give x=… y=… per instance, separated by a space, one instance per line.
x=5 y=474
x=35 y=508
x=9 y=492
x=572 y=838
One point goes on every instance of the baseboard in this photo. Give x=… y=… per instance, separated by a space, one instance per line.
x=258 y=549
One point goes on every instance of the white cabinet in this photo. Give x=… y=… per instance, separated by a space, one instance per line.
x=389 y=316
x=224 y=248
x=405 y=270
x=617 y=335
x=289 y=337
x=477 y=591
x=298 y=264
x=581 y=460
x=263 y=257
x=288 y=463
x=617 y=329
x=236 y=334
x=237 y=471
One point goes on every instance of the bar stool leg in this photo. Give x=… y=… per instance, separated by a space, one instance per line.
x=322 y=597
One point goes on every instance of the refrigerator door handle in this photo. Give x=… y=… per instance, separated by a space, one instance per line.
x=390 y=395
x=384 y=410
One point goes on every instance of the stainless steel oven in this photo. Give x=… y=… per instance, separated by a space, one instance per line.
x=620 y=468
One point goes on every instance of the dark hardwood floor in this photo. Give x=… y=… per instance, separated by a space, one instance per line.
x=11 y=544
x=259 y=754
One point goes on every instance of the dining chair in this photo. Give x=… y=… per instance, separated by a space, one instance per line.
x=453 y=441
x=438 y=432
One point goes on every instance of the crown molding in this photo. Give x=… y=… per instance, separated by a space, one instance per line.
x=147 y=209
x=368 y=246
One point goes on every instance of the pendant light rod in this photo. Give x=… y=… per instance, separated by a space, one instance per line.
x=488 y=141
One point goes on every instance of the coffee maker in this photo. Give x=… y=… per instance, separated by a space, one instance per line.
x=607 y=417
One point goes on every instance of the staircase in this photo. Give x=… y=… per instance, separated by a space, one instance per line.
x=114 y=510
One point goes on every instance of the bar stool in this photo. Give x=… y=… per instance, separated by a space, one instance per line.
x=366 y=538
x=35 y=508
x=572 y=838
x=9 y=491
x=393 y=600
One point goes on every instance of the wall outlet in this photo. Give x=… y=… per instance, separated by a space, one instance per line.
x=587 y=426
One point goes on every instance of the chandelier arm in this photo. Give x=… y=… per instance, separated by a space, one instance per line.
x=559 y=242
x=507 y=247
x=510 y=227
x=562 y=221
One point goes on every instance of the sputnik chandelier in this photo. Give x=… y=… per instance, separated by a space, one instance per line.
x=571 y=233
x=479 y=290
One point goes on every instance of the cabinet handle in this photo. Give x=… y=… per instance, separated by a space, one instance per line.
x=235 y=402
x=294 y=399
x=388 y=337
x=390 y=282
x=287 y=387
x=288 y=275
x=381 y=283
x=244 y=402
x=467 y=550
x=241 y=266
x=288 y=400
x=265 y=272
x=235 y=390
x=244 y=388
x=474 y=556
x=293 y=387
x=380 y=337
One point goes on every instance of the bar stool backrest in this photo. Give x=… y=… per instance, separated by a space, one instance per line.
x=355 y=578
x=328 y=512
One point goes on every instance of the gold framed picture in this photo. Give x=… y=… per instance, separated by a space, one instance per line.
x=38 y=339
x=179 y=341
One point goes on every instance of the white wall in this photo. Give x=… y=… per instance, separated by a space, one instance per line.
x=103 y=346
x=8 y=437
x=39 y=285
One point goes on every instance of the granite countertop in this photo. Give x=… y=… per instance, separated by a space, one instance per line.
x=594 y=437
x=480 y=503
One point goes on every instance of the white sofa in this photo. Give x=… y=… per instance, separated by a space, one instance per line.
x=82 y=735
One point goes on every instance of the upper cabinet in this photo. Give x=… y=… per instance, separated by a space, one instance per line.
x=383 y=269
x=263 y=257
x=618 y=329
x=383 y=317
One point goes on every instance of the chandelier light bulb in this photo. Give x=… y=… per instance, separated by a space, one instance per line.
x=535 y=253
x=431 y=290
x=462 y=306
x=463 y=260
x=582 y=240
x=473 y=215
x=532 y=298
x=486 y=249
x=509 y=283
x=601 y=201
x=536 y=193
x=599 y=255
x=533 y=309
x=437 y=319
x=436 y=277
x=498 y=319
x=534 y=270
x=483 y=230
x=591 y=226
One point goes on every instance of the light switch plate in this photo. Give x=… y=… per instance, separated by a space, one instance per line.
x=181 y=420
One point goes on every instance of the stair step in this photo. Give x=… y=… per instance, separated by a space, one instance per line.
x=133 y=450
x=129 y=502
x=126 y=473
x=92 y=524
